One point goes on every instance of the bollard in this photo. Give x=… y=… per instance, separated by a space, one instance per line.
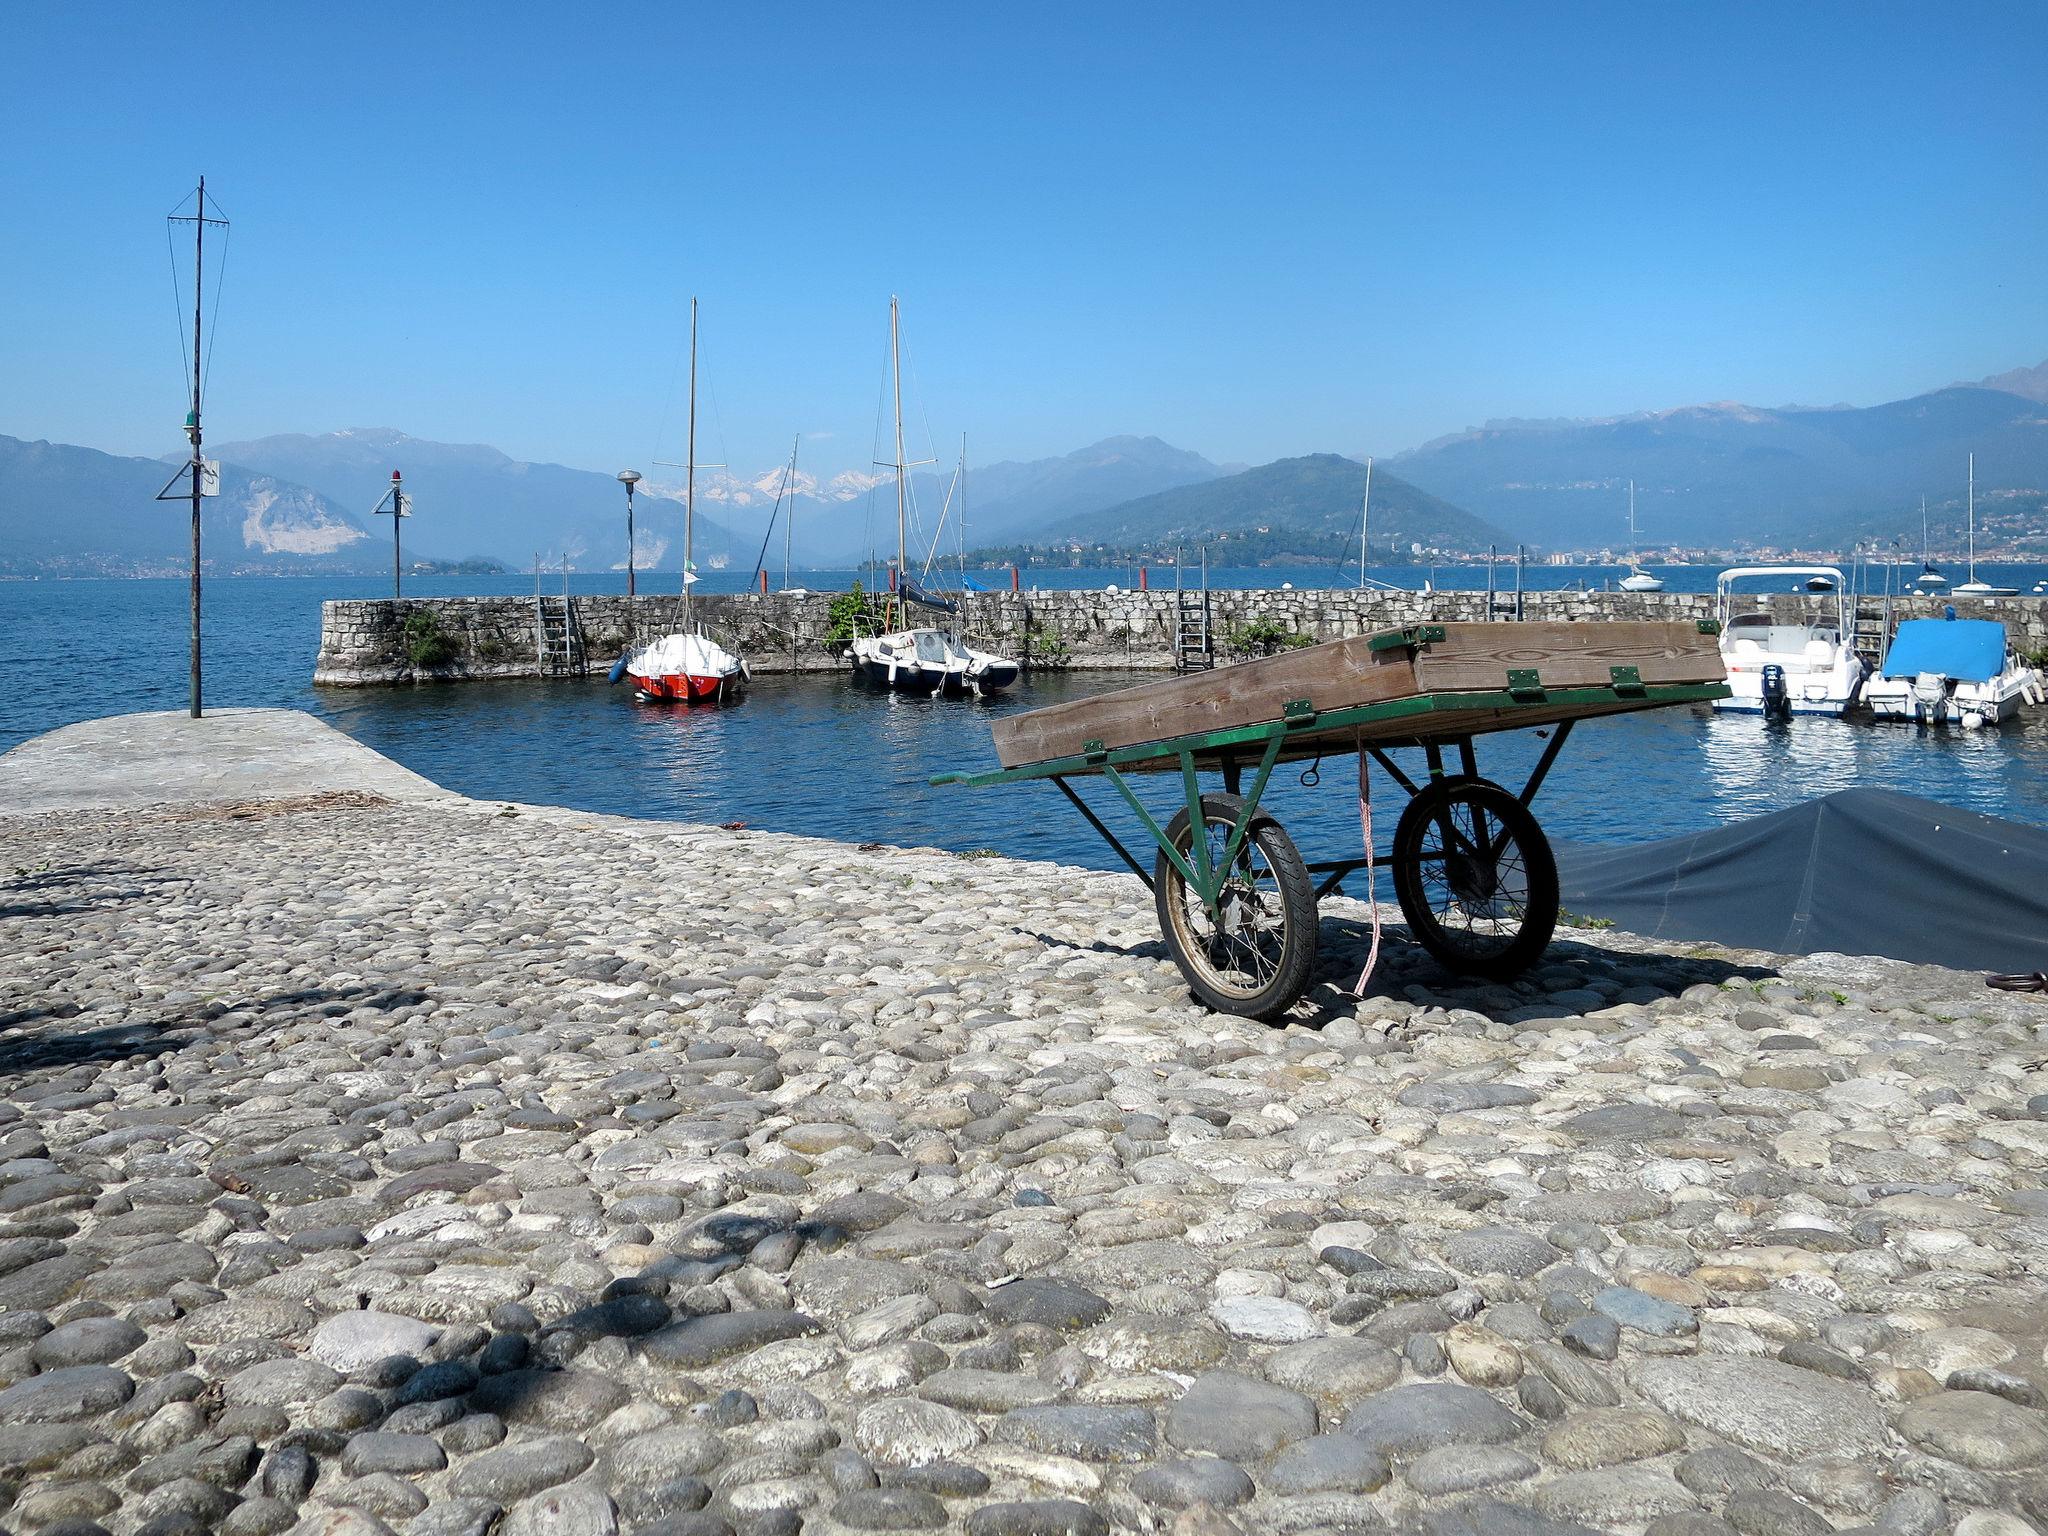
x=764 y=582
x=1144 y=581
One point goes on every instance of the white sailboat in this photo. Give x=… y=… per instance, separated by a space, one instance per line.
x=919 y=660
x=1930 y=578
x=1637 y=579
x=1973 y=587
x=686 y=665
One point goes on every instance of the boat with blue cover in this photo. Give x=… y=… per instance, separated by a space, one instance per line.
x=1951 y=671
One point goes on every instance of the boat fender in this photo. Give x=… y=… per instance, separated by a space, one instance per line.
x=618 y=670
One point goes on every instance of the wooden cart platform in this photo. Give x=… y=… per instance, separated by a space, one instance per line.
x=1472 y=870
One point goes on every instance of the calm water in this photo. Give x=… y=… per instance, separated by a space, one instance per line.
x=814 y=755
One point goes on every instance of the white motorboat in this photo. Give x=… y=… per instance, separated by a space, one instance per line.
x=1951 y=671
x=1637 y=579
x=1806 y=667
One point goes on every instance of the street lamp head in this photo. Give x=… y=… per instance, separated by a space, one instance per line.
x=630 y=477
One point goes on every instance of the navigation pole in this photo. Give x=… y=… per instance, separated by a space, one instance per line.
x=205 y=478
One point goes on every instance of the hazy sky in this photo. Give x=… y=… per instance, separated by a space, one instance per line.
x=1251 y=230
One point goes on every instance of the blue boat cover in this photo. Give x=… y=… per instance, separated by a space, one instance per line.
x=1968 y=650
x=1861 y=872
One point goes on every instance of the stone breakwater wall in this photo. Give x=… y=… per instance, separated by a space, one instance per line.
x=364 y=643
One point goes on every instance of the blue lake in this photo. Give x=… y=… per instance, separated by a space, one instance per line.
x=815 y=755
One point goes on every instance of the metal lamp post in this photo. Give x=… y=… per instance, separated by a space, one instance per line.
x=629 y=478
x=399 y=505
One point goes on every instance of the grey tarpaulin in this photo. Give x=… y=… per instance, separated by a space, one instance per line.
x=1862 y=872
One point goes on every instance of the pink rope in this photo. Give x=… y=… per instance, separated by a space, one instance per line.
x=1372 y=955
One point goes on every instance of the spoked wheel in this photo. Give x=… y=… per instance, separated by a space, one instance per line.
x=1475 y=877
x=1252 y=956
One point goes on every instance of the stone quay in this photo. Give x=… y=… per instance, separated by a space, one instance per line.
x=375 y=1160
x=365 y=642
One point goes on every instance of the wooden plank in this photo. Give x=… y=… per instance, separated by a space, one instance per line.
x=1474 y=657
x=1336 y=675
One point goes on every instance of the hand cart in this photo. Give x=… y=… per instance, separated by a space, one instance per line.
x=1472 y=870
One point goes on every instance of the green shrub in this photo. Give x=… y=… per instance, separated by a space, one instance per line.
x=854 y=614
x=427 y=644
x=1046 y=648
x=1263 y=637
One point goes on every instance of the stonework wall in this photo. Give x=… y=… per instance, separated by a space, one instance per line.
x=363 y=643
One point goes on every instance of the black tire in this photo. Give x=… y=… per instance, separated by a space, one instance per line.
x=1260 y=964
x=1486 y=905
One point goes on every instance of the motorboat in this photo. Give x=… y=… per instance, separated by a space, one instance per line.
x=1951 y=671
x=685 y=668
x=1637 y=579
x=1805 y=667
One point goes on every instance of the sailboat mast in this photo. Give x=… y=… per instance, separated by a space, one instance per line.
x=690 y=467
x=902 y=526
x=1973 y=517
x=789 y=522
x=198 y=459
x=1364 y=523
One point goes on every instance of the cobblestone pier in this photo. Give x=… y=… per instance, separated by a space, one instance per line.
x=375 y=1160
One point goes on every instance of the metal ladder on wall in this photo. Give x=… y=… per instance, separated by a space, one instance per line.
x=557 y=638
x=1194 y=644
x=1872 y=623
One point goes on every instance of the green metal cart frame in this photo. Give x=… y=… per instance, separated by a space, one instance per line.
x=1472 y=870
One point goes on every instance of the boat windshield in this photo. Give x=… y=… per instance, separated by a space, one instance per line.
x=931 y=647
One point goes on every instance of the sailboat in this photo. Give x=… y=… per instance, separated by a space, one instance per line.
x=787 y=492
x=1973 y=587
x=919 y=660
x=1930 y=578
x=686 y=665
x=1637 y=579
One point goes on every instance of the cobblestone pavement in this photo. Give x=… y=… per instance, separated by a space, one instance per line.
x=438 y=1169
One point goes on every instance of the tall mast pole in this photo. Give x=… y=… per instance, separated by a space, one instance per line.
x=1973 y=517
x=198 y=459
x=902 y=527
x=690 y=467
x=1364 y=522
x=789 y=523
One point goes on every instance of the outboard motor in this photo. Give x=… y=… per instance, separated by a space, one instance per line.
x=1777 y=698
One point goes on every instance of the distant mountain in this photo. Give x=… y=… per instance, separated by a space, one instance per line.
x=481 y=500
x=2027 y=383
x=1717 y=474
x=474 y=500
x=66 y=510
x=1303 y=507
x=1011 y=500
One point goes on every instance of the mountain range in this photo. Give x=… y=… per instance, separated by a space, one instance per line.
x=1715 y=475
x=66 y=510
x=1304 y=508
x=1707 y=476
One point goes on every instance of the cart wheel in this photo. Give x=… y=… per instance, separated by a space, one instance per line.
x=1475 y=877
x=1256 y=961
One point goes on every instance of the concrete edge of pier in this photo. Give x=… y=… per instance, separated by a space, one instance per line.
x=168 y=759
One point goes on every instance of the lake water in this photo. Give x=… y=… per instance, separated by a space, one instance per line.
x=815 y=755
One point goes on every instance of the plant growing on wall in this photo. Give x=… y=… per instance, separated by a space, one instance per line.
x=427 y=644
x=1046 y=648
x=852 y=615
x=1263 y=637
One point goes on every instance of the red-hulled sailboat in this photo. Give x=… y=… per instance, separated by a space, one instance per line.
x=685 y=666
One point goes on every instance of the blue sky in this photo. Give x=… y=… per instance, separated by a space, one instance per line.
x=1253 y=231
